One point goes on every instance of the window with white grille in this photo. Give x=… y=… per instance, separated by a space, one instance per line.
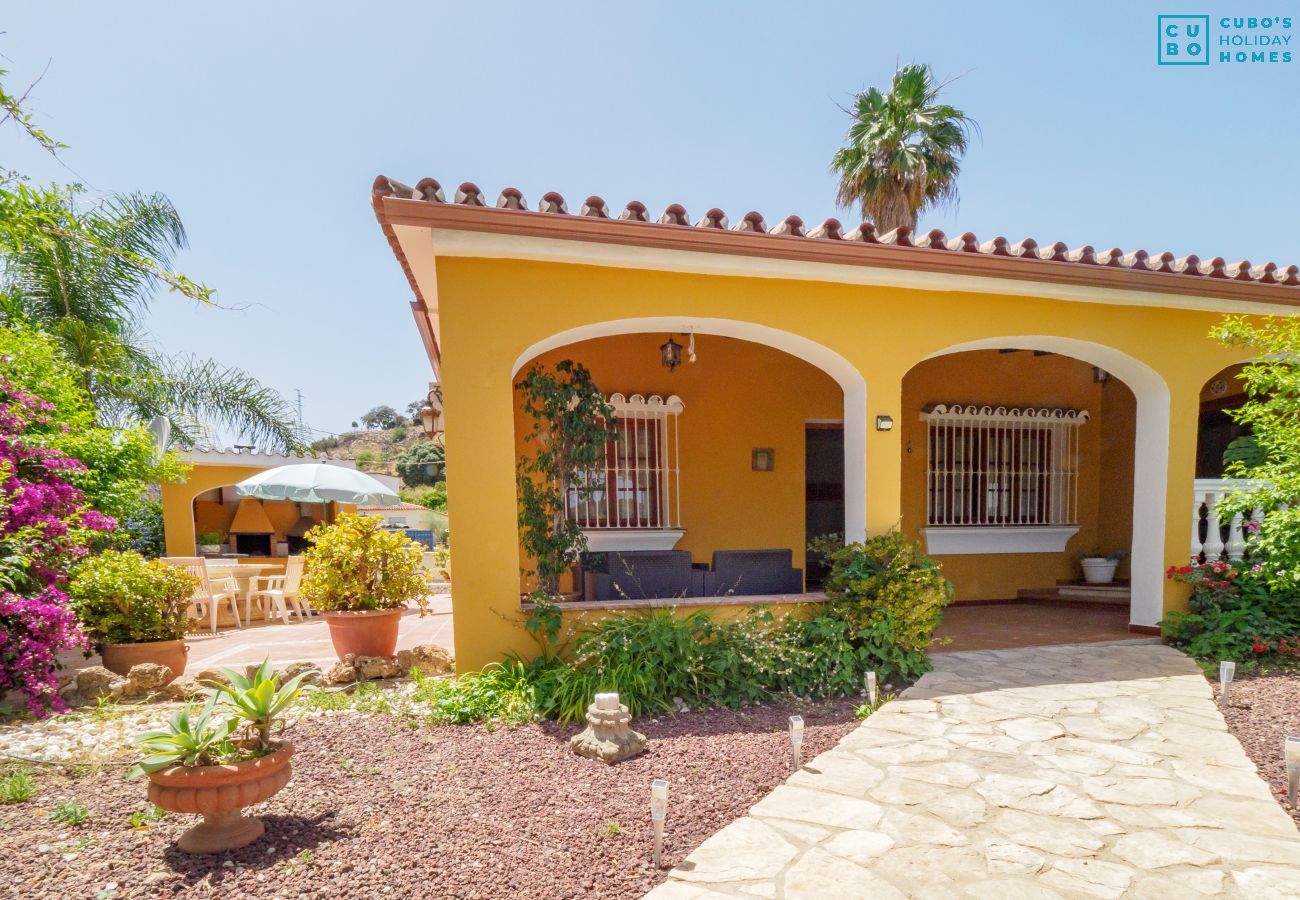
x=639 y=486
x=991 y=466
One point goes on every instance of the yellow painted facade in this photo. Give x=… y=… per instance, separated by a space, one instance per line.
x=492 y=314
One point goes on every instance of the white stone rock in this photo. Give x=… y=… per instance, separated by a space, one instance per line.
x=861 y=847
x=819 y=875
x=818 y=807
x=1152 y=850
x=745 y=850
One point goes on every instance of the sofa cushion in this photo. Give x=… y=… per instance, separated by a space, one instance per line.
x=750 y=572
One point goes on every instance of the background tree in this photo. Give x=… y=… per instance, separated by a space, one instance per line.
x=93 y=304
x=413 y=410
x=903 y=150
x=1272 y=413
x=384 y=417
x=422 y=463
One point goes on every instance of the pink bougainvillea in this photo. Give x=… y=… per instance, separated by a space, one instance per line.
x=44 y=528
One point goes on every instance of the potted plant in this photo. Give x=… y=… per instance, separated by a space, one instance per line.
x=209 y=542
x=213 y=766
x=360 y=576
x=1099 y=567
x=134 y=609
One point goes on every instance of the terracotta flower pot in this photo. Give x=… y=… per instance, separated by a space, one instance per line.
x=120 y=658
x=372 y=632
x=218 y=793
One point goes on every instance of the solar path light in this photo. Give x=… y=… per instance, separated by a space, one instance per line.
x=796 y=741
x=1291 y=752
x=873 y=689
x=658 y=809
x=1227 y=669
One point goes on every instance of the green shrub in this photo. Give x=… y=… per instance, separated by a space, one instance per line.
x=1236 y=614
x=887 y=577
x=501 y=692
x=356 y=564
x=121 y=598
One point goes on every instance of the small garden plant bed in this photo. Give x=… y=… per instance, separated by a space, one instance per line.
x=378 y=807
x=1262 y=712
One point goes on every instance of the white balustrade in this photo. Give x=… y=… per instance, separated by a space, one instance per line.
x=1221 y=539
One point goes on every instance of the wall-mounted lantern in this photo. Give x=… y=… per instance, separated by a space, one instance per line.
x=670 y=354
x=431 y=412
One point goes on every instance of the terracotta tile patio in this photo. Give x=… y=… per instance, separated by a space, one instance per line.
x=1001 y=626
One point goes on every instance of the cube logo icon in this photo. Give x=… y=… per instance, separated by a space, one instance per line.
x=1183 y=40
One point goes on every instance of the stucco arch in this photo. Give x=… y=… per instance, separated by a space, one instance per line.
x=845 y=374
x=1150 y=454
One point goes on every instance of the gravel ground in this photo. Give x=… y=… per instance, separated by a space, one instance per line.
x=1261 y=713
x=376 y=809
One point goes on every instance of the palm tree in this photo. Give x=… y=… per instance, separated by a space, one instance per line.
x=903 y=151
x=94 y=303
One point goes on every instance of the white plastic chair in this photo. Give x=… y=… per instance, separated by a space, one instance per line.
x=208 y=595
x=281 y=591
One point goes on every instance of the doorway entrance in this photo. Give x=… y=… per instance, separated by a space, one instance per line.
x=823 y=492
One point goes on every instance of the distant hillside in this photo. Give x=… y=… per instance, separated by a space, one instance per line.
x=374 y=450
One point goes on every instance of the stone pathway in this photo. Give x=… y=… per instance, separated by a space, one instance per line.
x=1100 y=770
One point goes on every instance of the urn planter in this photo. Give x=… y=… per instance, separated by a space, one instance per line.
x=119 y=658
x=371 y=632
x=219 y=794
x=1099 y=569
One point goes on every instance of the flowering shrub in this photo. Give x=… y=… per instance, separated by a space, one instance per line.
x=120 y=597
x=1236 y=613
x=45 y=528
x=356 y=564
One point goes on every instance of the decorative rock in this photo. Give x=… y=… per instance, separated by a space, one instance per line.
x=91 y=683
x=186 y=687
x=430 y=659
x=209 y=676
x=313 y=672
x=342 y=672
x=371 y=667
x=145 y=679
x=608 y=736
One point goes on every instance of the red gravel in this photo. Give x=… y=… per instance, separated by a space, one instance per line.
x=434 y=812
x=1262 y=712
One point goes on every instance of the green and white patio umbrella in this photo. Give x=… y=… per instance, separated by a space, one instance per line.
x=317 y=483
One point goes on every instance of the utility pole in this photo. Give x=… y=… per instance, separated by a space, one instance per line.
x=298 y=392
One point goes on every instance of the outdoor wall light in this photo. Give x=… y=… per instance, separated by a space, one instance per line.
x=431 y=412
x=670 y=354
x=1100 y=375
x=1291 y=753
x=658 y=809
x=1227 y=669
x=884 y=423
x=796 y=740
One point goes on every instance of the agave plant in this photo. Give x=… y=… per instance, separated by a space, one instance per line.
x=258 y=699
x=190 y=740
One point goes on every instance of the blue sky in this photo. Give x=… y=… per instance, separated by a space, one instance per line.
x=266 y=123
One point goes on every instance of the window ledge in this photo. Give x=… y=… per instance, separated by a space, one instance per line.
x=955 y=540
x=601 y=540
x=683 y=602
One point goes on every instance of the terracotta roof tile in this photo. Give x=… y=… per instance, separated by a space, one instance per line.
x=468 y=194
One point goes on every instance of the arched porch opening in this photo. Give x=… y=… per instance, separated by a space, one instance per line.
x=1108 y=509
x=759 y=439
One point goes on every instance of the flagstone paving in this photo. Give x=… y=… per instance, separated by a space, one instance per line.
x=1100 y=770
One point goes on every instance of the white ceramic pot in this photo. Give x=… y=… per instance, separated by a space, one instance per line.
x=1099 y=570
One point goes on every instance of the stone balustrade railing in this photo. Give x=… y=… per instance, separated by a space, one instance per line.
x=1216 y=535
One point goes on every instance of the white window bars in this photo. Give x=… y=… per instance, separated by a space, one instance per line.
x=1000 y=466
x=640 y=483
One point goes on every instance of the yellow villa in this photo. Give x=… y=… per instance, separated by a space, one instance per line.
x=1010 y=405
